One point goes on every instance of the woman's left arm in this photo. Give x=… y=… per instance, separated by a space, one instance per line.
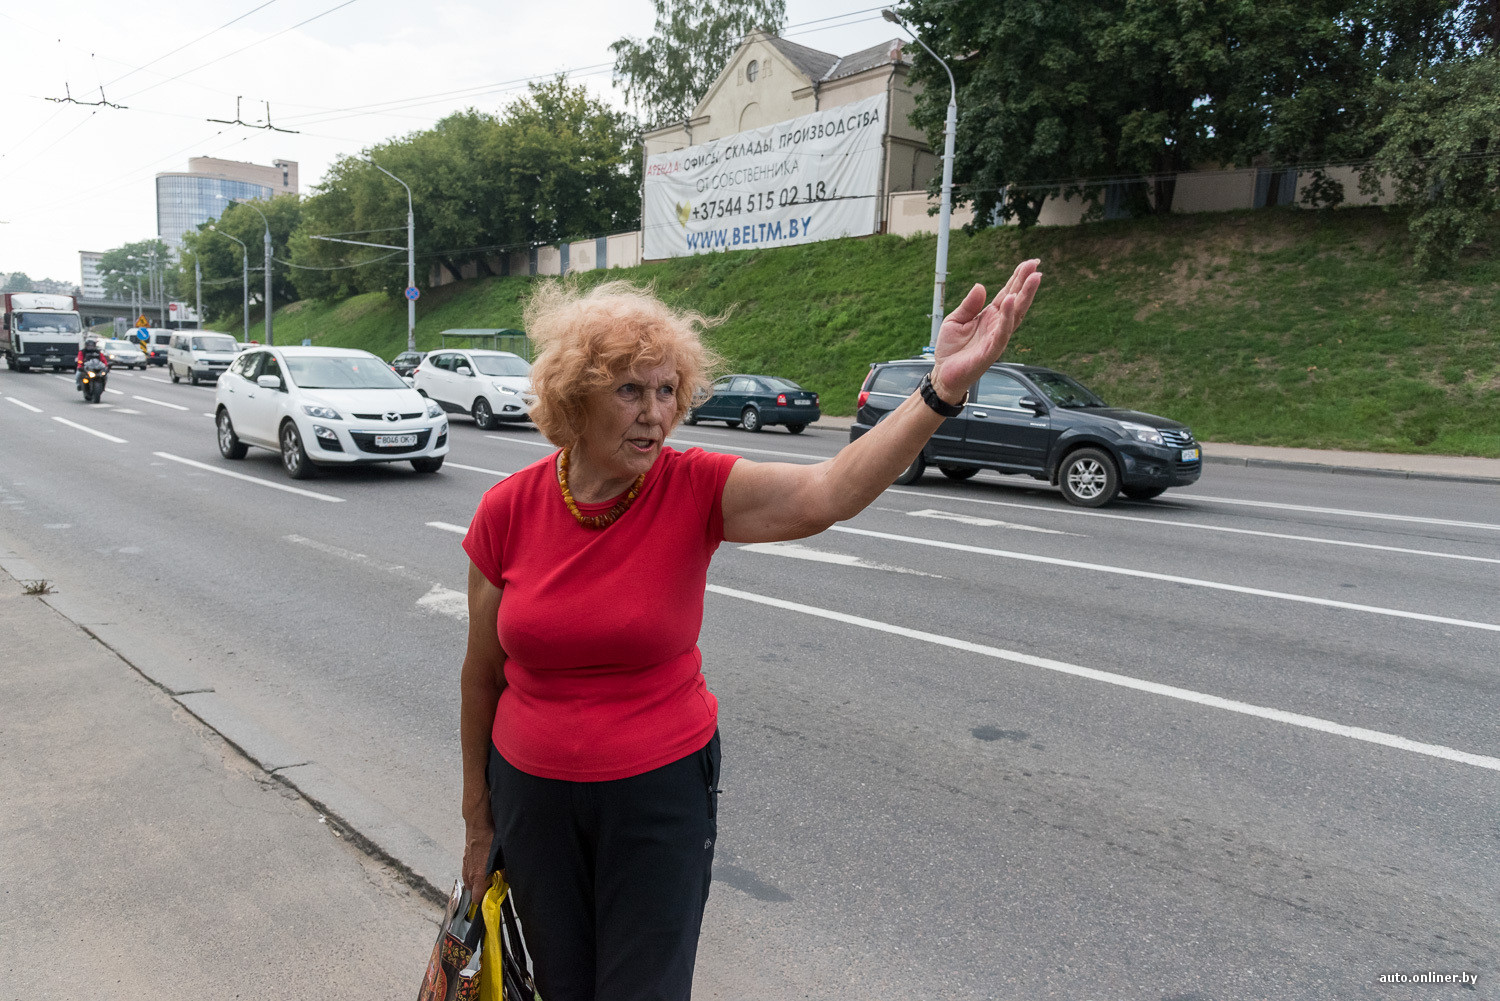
x=778 y=501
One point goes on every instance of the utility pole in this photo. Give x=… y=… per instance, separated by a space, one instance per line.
x=198 y=290
x=945 y=213
x=269 y=338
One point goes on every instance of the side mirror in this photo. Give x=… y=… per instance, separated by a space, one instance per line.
x=465 y=370
x=1033 y=404
x=268 y=381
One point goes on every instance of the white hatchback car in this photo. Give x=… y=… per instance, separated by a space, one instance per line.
x=326 y=406
x=493 y=387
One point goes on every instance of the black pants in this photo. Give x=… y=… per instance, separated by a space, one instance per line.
x=610 y=878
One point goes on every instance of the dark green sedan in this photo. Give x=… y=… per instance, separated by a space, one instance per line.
x=754 y=401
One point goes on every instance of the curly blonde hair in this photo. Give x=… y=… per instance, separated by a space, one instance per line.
x=586 y=338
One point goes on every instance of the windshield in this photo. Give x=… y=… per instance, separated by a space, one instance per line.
x=1065 y=392
x=501 y=365
x=119 y=346
x=225 y=344
x=780 y=384
x=49 y=323
x=342 y=372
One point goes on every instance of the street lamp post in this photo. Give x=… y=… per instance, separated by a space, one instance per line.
x=237 y=201
x=411 y=261
x=945 y=213
x=244 y=279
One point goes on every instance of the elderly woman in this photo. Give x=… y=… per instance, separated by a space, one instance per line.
x=590 y=740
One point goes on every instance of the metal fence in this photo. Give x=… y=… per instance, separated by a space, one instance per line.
x=492 y=338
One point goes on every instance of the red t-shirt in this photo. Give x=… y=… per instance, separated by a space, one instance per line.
x=600 y=628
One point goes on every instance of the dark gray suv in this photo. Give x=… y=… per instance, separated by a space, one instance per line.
x=1034 y=421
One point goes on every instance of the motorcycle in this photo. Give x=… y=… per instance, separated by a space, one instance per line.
x=95 y=375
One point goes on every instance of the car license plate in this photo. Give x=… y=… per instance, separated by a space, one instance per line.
x=1190 y=455
x=802 y=403
x=394 y=440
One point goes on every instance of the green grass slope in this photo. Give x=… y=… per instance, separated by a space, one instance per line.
x=1272 y=327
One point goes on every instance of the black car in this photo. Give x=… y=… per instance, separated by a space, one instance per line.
x=753 y=401
x=1030 y=420
x=407 y=361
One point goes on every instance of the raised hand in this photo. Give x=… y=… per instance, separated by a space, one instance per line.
x=974 y=335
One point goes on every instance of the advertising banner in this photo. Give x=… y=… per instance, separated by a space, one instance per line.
x=811 y=178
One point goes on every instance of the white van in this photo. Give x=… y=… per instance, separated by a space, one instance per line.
x=200 y=354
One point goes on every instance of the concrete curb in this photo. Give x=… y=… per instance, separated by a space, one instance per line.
x=1321 y=467
x=422 y=863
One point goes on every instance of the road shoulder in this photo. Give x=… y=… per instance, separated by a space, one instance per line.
x=143 y=853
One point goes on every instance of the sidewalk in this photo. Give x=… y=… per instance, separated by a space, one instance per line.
x=145 y=858
x=1320 y=460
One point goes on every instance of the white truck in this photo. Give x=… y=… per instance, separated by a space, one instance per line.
x=39 y=329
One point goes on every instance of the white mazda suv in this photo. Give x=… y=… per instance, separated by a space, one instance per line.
x=326 y=406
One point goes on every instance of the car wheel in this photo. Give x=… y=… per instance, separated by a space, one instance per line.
x=428 y=465
x=293 y=456
x=483 y=415
x=958 y=472
x=1088 y=478
x=1142 y=493
x=172 y=371
x=913 y=472
x=750 y=419
x=230 y=446
x=193 y=377
x=796 y=428
x=690 y=420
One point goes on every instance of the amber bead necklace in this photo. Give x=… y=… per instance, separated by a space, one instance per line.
x=609 y=517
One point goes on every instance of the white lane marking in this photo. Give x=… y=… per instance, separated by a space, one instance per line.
x=477 y=469
x=1488 y=526
x=115 y=391
x=1125 y=681
x=24 y=406
x=974 y=519
x=208 y=415
x=445 y=601
x=448 y=527
x=124 y=410
x=249 y=479
x=798 y=552
x=65 y=378
x=713 y=446
x=1172 y=579
x=152 y=378
x=523 y=441
x=98 y=434
x=159 y=403
x=1195 y=525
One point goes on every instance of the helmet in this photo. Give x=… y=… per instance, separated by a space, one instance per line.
x=92 y=344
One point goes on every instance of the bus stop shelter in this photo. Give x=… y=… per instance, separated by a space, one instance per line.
x=492 y=338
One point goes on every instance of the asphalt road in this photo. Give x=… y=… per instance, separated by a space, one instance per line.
x=1238 y=742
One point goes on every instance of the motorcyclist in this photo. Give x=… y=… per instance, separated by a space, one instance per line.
x=89 y=352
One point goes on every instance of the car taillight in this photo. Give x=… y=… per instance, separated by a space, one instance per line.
x=781 y=399
x=414 y=372
x=864 y=397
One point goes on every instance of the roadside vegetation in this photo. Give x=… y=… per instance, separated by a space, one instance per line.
x=1274 y=327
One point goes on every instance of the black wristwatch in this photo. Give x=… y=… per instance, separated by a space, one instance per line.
x=936 y=402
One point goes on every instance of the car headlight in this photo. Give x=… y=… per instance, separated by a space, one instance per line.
x=433 y=410
x=1141 y=432
x=504 y=389
x=327 y=413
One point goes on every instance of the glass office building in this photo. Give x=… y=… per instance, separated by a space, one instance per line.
x=184 y=202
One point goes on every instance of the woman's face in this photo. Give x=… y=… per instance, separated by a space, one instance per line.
x=628 y=421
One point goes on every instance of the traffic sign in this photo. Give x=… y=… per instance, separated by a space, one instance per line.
x=141 y=334
x=171 y=307
x=412 y=293
x=141 y=321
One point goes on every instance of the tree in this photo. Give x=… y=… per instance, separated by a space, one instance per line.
x=17 y=281
x=570 y=165
x=128 y=269
x=667 y=74
x=1439 y=143
x=221 y=259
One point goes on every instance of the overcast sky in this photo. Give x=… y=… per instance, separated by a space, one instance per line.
x=81 y=178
